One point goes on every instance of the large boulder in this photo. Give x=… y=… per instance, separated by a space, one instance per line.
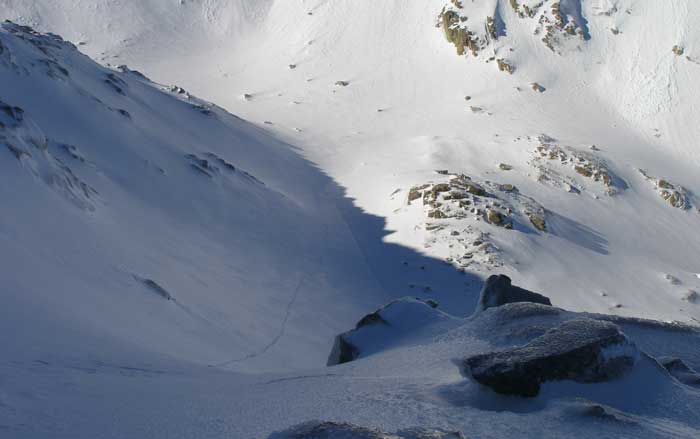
x=583 y=350
x=498 y=290
x=385 y=327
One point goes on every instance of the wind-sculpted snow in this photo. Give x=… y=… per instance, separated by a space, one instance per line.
x=36 y=153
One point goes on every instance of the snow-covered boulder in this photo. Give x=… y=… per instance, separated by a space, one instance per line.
x=582 y=350
x=386 y=327
x=498 y=290
x=344 y=430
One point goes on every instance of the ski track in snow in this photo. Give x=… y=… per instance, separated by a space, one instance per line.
x=277 y=337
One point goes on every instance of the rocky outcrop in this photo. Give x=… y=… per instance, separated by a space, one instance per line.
x=582 y=350
x=454 y=26
x=498 y=290
x=680 y=371
x=673 y=193
x=344 y=430
x=560 y=21
x=342 y=351
x=505 y=66
x=384 y=327
x=476 y=28
x=457 y=211
x=569 y=168
x=463 y=197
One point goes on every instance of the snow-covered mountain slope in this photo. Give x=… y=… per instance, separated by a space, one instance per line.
x=162 y=258
x=615 y=74
x=137 y=213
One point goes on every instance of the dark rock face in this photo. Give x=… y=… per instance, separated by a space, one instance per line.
x=342 y=352
x=680 y=371
x=498 y=291
x=344 y=430
x=583 y=350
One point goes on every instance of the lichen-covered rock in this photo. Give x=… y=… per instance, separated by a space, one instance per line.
x=582 y=350
x=498 y=291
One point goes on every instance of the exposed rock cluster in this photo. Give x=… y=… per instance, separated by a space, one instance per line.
x=472 y=30
x=563 y=166
x=673 y=193
x=455 y=208
x=463 y=198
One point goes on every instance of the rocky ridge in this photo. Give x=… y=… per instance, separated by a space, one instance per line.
x=479 y=29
